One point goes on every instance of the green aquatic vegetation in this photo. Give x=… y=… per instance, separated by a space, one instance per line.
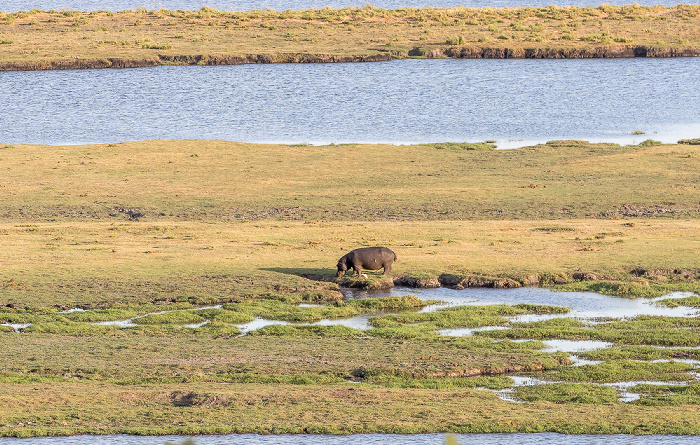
x=226 y=316
x=219 y=328
x=274 y=309
x=564 y=328
x=691 y=301
x=388 y=303
x=623 y=371
x=568 y=393
x=307 y=330
x=401 y=380
x=174 y=317
x=651 y=330
x=406 y=332
x=532 y=346
x=71 y=328
x=21 y=318
x=627 y=289
x=667 y=395
x=465 y=316
x=111 y=314
x=454 y=317
x=647 y=353
x=642 y=330
x=542 y=309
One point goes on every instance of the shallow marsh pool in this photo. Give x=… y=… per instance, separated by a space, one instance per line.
x=587 y=307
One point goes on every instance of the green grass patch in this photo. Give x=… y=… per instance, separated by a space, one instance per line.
x=691 y=301
x=398 y=380
x=667 y=395
x=464 y=316
x=642 y=330
x=174 y=317
x=562 y=328
x=629 y=289
x=624 y=371
x=568 y=393
x=316 y=330
x=647 y=353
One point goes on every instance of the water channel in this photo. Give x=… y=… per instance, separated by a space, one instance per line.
x=515 y=102
x=281 y=5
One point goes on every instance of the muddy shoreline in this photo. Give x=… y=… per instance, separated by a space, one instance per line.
x=601 y=52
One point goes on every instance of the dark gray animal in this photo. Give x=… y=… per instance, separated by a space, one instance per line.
x=370 y=258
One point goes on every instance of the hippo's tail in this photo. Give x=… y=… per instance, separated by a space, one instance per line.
x=395 y=257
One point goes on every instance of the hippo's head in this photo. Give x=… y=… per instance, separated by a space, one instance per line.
x=342 y=267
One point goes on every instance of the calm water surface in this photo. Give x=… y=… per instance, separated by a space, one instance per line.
x=281 y=5
x=516 y=102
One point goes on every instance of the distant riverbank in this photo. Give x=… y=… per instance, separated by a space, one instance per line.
x=456 y=53
x=40 y=40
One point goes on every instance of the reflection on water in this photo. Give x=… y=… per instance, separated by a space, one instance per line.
x=584 y=305
x=360 y=322
x=259 y=323
x=515 y=102
x=574 y=345
x=16 y=326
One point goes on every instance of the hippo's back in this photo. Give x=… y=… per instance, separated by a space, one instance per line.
x=365 y=254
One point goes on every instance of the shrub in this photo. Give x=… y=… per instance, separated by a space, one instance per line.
x=649 y=143
x=457 y=40
x=154 y=46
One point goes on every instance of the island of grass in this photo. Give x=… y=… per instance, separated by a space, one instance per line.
x=189 y=240
x=65 y=39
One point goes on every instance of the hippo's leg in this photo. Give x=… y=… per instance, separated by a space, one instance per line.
x=387 y=268
x=358 y=270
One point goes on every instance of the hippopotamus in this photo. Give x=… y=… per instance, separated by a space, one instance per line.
x=370 y=258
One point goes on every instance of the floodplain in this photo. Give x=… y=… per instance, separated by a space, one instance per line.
x=192 y=239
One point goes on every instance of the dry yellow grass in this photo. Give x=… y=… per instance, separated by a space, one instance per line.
x=67 y=408
x=79 y=256
x=32 y=38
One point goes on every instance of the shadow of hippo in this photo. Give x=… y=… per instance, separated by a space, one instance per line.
x=370 y=258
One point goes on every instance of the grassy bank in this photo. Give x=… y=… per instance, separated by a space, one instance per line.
x=335 y=409
x=97 y=264
x=154 y=231
x=72 y=39
x=208 y=181
x=202 y=222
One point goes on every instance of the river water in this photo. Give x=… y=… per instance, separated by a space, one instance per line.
x=362 y=439
x=281 y=5
x=515 y=102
